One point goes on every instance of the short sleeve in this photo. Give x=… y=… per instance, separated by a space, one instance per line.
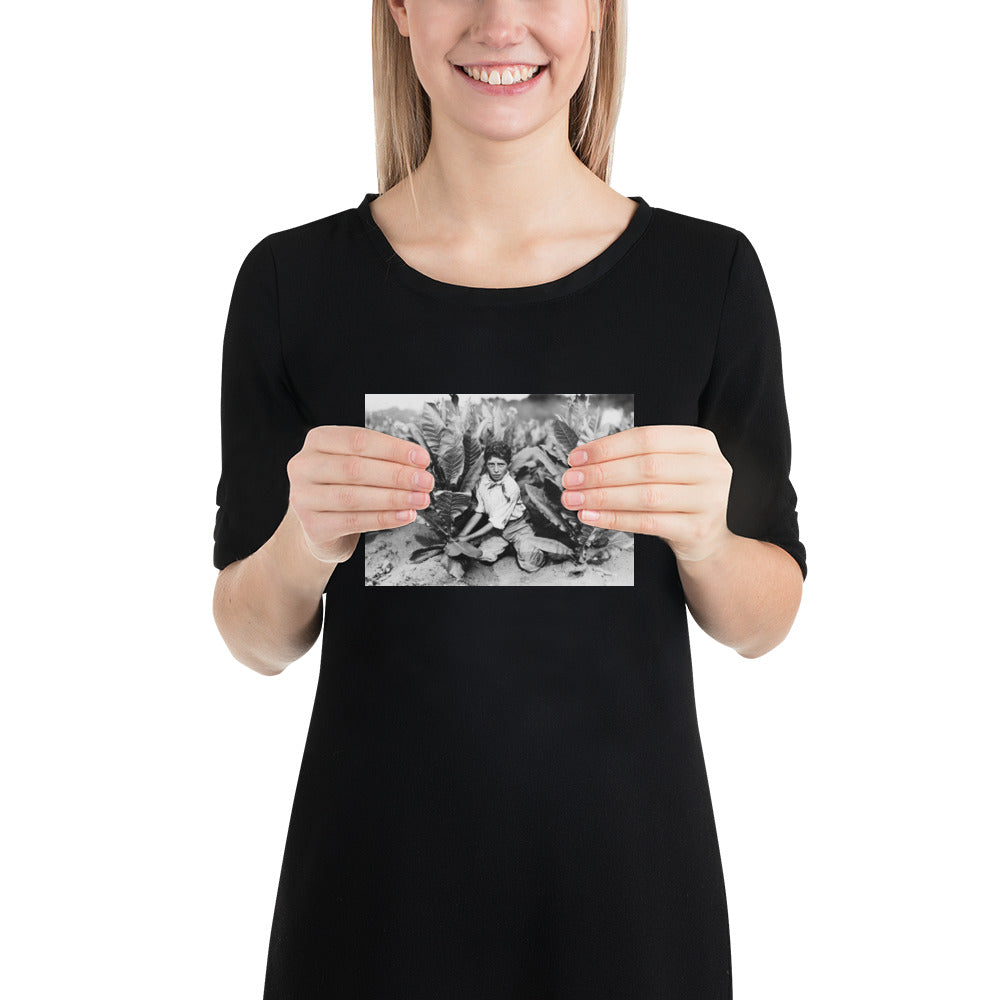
x=743 y=404
x=480 y=509
x=262 y=426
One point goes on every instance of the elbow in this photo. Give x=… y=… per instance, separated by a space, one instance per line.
x=222 y=612
x=763 y=643
x=248 y=659
x=754 y=652
x=262 y=668
x=777 y=630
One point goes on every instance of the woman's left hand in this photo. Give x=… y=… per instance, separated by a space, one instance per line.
x=666 y=480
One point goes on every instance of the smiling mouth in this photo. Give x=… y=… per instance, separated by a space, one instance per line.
x=498 y=76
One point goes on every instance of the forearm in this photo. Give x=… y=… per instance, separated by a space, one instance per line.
x=269 y=606
x=470 y=525
x=746 y=596
x=484 y=530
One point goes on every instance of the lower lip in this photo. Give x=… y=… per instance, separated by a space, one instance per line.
x=499 y=90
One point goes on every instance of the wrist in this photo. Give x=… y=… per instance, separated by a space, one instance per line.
x=719 y=553
x=289 y=557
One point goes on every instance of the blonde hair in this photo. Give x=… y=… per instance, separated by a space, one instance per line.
x=403 y=110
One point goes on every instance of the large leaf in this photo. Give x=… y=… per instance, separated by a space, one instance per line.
x=553 y=493
x=566 y=437
x=440 y=522
x=451 y=453
x=432 y=424
x=417 y=437
x=521 y=458
x=498 y=420
x=473 y=462
x=542 y=505
x=552 y=468
x=454 y=567
x=449 y=504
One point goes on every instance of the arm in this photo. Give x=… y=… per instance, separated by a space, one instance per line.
x=477 y=515
x=467 y=532
x=745 y=596
x=269 y=607
x=267 y=603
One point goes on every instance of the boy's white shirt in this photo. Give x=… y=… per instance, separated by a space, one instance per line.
x=491 y=501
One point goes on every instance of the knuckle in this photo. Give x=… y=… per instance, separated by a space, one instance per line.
x=347 y=497
x=647 y=523
x=651 y=496
x=651 y=466
x=352 y=467
x=356 y=438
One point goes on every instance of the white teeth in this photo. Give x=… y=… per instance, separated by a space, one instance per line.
x=494 y=77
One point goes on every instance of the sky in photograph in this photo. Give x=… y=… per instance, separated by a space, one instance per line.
x=414 y=400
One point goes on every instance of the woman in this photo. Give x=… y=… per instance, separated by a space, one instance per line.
x=503 y=792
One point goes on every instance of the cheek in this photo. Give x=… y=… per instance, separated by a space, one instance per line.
x=563 y=28
x=431 y=39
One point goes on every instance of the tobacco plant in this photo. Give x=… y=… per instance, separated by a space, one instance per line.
x=580 y=423
x=445 y=429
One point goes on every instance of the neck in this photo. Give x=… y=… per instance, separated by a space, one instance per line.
x=513 y=190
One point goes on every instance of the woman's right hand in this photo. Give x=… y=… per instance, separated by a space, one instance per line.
x=347 y=480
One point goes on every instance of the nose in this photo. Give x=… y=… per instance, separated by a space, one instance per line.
x=497 y=25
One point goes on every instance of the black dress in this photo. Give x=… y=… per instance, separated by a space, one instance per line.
x=502 y=792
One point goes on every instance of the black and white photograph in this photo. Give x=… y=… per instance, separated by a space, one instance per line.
x=494 y=517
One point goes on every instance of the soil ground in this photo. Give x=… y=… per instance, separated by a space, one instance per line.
x=387 y=564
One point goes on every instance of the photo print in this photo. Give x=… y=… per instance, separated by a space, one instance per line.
x=496 y=516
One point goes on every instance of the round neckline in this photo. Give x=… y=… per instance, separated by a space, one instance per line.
x=572 y=282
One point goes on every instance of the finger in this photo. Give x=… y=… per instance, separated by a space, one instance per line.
x=331 y=497
x=357 y=470
x=679 y=498
x=642 y=440
x=329 y=525
x=344 y=439
x=639 y=522
x=655 y=467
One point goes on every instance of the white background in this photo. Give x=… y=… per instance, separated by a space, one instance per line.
x=148 y=776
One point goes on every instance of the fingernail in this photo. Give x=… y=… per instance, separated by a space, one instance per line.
x=577 y=457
